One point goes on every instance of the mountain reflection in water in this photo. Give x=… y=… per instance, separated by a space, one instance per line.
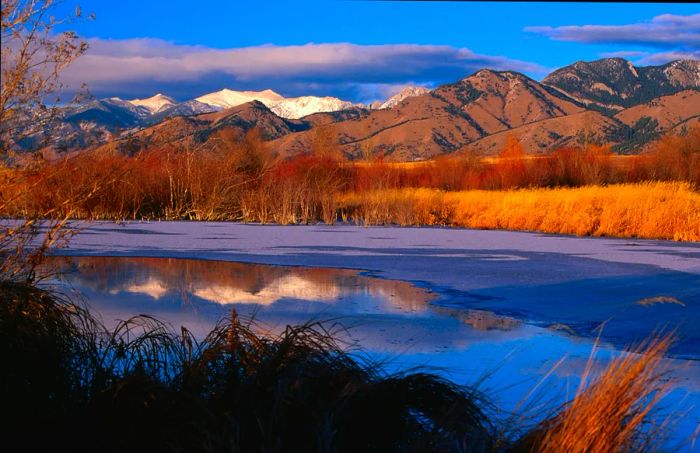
x=122 y=287
x=232 y=283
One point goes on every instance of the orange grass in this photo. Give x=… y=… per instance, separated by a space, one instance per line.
x=655 y=210
x=608 y=415
x=574 y=190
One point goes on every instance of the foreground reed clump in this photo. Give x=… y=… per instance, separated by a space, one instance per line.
x=607 y=414
x=654 y=210
x=68 y=383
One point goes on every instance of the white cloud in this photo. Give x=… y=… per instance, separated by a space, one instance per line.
x=137 y=66
x=666 y=30
x=624 y=54
x=653 y=58
x=658 y=58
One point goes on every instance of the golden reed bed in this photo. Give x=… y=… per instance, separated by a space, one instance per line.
x=655 y=210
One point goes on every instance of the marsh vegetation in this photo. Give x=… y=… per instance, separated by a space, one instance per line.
x=585 y=191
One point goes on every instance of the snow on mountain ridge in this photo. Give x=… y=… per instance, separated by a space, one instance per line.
x=295 y=108
x=154 y=104
x=187 y=108
x=107 y=104
x=405 y=93
x=226 y=98
x=290 y=108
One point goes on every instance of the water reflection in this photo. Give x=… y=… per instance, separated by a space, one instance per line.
x=480 y=319
x=193 y=282
x=389 y=319
x=379 y=314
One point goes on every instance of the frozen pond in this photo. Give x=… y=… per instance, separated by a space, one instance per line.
x=497 y=308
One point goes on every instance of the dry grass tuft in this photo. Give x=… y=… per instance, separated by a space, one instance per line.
x=649 y=301
x=609 y=414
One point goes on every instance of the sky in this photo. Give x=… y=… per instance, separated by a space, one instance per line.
x=356 y=50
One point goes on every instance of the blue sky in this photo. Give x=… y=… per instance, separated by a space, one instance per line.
x=358 y=50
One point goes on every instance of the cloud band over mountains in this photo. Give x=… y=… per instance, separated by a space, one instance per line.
x=139 y=67
x=668 y=37
x=136 y=67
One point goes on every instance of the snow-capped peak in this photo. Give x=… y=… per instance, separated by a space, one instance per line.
x=294 y=108
x=161 y=106
x=405 y=93
x=154 y=104
x=226 y=98
x=291 y=108
x=267 y=93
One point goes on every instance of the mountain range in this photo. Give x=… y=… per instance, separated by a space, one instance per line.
x=607 y=101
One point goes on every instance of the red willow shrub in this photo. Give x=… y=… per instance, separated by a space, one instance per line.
x=242 y=179
x=675 y=157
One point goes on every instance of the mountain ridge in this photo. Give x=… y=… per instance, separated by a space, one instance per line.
x=615 y=83
x=418 y=123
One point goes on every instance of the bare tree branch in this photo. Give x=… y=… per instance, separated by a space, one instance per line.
x=33 y=56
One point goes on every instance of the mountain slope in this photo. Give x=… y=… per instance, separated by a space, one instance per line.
x=647 y=122
x=188 y=108
x=504 y=100
x=95 y=122
x=612 y=84
x=666 y=111
x=197 y=130
x=543 y=136
x=111 y=113
x=444 y=119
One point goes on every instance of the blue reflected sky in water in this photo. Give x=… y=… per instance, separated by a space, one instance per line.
x=392 y=321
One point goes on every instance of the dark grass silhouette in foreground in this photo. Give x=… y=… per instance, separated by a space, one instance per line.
x=67 y=383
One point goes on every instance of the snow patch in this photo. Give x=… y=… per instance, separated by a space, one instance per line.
x=154 y=104
x=407 y=92
x=291 y=108
x=295 y=108
x=226 y=98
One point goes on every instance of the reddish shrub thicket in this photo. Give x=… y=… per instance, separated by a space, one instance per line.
x=241 y=178
x=675 y=157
